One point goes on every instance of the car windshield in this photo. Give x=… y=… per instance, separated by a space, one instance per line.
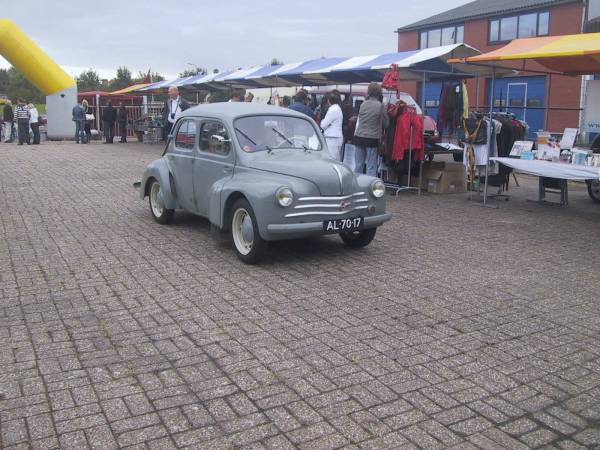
x=258 y=133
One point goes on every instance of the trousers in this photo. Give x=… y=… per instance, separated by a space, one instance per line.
x=366 y=155
x=23 y=130
x=334 y=146
x=109 y=131
x=35 y=128
x=8 y=126
x=123 y=131
x=80 y=131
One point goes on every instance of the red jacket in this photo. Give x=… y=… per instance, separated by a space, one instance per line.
x=402 y=136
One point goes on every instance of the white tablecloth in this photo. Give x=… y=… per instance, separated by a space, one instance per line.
x=551 y=169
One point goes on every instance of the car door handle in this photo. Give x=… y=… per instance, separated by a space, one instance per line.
x=227 y=169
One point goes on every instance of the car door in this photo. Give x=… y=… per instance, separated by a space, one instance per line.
x=213 y=164
x=181 y=157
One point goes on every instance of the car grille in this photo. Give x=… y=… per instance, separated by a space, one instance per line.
x=329 y=206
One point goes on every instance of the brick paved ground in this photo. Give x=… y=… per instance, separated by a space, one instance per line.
x=459 y=326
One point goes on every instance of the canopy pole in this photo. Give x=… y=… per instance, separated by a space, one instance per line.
x=490 y=134
x=477 y=93
x=547 y=111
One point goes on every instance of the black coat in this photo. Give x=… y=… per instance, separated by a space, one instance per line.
x=183 y=104
x=122 y=115
x=8 y=115
x=109 y=115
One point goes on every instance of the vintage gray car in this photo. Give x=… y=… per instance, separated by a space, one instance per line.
x=261 y=173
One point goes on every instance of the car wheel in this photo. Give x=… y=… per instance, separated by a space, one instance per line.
x=358 y=239
x=247 y=243
x=157 y=206
x=594 y=190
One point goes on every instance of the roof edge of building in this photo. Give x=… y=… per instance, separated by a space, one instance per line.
x=424 y=24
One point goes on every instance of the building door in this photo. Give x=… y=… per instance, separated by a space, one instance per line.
x=516 y=100
x=432 y=98
x=525 y=97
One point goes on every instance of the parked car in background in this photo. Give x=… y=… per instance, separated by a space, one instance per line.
x=261 y=173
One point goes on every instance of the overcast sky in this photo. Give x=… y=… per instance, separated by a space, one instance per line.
x=225 y=34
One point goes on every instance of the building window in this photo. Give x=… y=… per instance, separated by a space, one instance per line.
x=442 y=36
x=593 y=9
x=523 y=26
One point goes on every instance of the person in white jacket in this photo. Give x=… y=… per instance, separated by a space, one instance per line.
x=332 y=126
x=34 y=123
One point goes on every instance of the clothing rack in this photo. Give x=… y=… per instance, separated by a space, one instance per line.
x=396 y=186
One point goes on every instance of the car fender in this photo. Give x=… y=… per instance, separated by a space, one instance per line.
x=159 y=170
x=259 y=188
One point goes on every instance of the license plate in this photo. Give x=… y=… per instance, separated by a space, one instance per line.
x=342 y=225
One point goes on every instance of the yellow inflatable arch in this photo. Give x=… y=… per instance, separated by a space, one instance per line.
x=35 y=65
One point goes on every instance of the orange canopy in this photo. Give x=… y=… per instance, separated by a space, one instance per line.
x=574 y=54
x=129 y=89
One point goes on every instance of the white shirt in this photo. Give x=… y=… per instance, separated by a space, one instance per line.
x=33 y=115
x=332 y=122
x=174 y=107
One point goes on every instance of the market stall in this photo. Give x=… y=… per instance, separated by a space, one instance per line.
x=552 y=162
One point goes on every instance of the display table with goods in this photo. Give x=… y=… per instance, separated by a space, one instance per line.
x=555 y=174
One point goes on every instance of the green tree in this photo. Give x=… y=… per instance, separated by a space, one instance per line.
x=15 y=85
x=88 y=81
x=191 y=72
x=142 y=77
x=122 y=80
x=276 y=62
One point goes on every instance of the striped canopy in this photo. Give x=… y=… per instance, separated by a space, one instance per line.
x=574 y=54
x=325 y=71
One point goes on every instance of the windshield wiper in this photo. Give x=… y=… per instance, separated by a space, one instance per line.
x=245 y=135
x=287 y=139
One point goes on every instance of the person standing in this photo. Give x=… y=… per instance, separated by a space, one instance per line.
x=22 y=113
x=87 y=127
x=79 y=119
x=8 y=116
x=172 y=109
x=332 y=126
x=372 y=118
x=34 y=123
x=109 y=117
x=300 y=103
x=122 y=118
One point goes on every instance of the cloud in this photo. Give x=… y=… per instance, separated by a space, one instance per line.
x=228 y=34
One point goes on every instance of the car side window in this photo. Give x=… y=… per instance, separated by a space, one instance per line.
x=214 y=138
x=186 y=135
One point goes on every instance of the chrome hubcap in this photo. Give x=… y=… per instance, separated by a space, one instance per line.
x=243 y=231
x=156 y=200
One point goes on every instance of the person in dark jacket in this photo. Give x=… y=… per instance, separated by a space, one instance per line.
x=109 y=117
x=300 y=103
x=122 y=117
x=9 y=118
x=172 y=109
x=79 y=119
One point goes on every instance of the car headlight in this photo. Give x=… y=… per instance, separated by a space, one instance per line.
x=377 y=189
x=284 y=197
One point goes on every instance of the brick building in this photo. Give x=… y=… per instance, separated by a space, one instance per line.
x=488 y=25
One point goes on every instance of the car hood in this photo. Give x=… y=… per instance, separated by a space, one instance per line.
x=330 y=176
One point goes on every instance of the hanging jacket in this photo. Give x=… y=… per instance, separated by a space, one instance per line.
x=402 y=137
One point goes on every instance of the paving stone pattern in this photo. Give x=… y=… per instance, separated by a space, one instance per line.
x=459 y=327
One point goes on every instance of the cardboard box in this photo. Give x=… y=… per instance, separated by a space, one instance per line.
x=444 y=177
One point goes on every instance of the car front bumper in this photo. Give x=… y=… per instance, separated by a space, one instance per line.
x=294 y=230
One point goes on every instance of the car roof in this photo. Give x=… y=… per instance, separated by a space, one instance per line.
x=233 y=110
